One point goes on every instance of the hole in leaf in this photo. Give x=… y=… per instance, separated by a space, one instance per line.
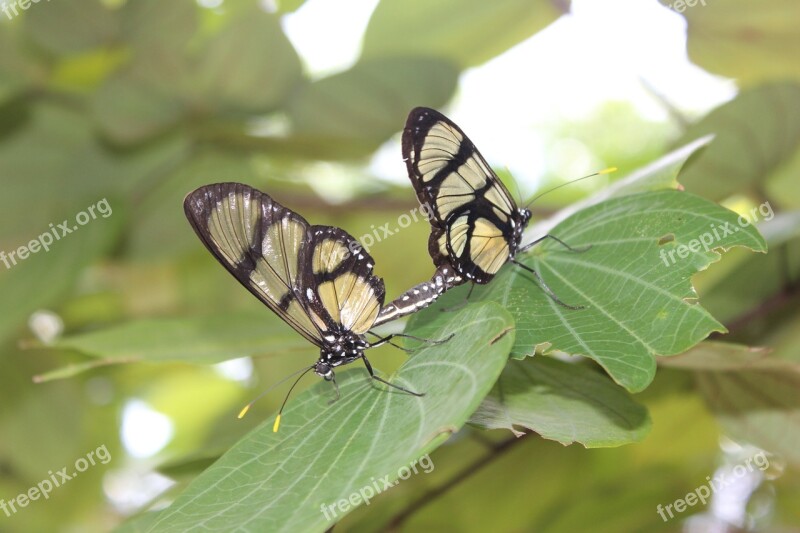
x=669 y=237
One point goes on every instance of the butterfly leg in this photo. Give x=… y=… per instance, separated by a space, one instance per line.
x=562 y=243
x=461 y=304
x=388 y=340
x=377 y=378
x=336 y=388
x=546 y=289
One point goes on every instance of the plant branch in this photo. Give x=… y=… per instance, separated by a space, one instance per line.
x=765 y=308
x=497 y=451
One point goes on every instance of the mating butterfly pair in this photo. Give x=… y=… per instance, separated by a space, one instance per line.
x=320 y=280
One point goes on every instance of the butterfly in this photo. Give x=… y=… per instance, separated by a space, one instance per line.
x=476 y=226
x=317 y=279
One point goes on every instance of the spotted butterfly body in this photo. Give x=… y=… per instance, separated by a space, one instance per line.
x=317 y=279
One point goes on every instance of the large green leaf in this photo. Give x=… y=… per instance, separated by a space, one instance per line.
x=323 y=454
x=753 y=42
x=755 y=397
x=466 y=32
x=638 y=301
x=537 y=392
x=756 y=134
x=207 y=339
x=535 y=481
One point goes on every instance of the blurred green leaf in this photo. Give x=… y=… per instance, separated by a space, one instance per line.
x=250 y=65
x=207 y=339
x=365 y=105
x=16 y=70
x=43 y=278
x=755 y=134
x=162 y=230
x=755 y=397
x=129 y=109
x=59 y=167
x=536 y=393
x=288 y=6
x=465 y=32
x=157 y=26
x=739 y=39
x=52 y=25
x=638 y=302
x=733 y=293
x=278 y=481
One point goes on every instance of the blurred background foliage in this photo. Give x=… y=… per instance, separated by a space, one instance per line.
x=140 y=101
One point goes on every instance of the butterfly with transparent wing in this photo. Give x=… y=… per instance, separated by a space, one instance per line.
x=476 y=226
x=318 y=279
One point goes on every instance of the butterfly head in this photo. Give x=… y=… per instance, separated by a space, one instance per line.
x=339 y=349
x=324 y=370
x=520 y=223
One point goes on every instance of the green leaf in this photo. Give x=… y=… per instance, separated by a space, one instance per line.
x=288 y=6
x=659 y=175
x=158 y=26
x=749 y=42
x=207 y=339
x=732 y=294
x=324 y=453
x=638 y=303
x=368 y=103
x=52 y=25
x=44 y=277
x=250 y=65
x=16 y=70
x=755 y=135
x=755 y=397
x=537 y=392
x=129 y=108
x=466 y=32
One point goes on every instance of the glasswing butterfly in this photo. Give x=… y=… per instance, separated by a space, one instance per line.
x=476 y=226
x=317 y=279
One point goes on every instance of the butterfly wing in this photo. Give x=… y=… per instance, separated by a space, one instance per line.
x=345 y=290
x=263 y=244
x=474 y=218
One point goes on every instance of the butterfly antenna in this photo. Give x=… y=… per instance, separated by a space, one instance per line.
x=272 y=387
x=277 y=423
x=608 y=170
x=514 y=182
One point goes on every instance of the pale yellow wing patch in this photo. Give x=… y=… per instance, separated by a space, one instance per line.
x=351 y=301
x=488 y=247
x=328 y=255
